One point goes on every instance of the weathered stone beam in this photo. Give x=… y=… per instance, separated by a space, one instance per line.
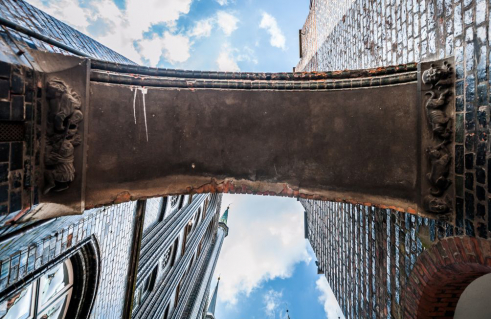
x=356 y=136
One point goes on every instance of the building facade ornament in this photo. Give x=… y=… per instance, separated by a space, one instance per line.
x=64 y=117
x=438 y=79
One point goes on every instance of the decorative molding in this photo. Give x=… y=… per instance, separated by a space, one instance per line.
x=439 y=79
x=64 y=117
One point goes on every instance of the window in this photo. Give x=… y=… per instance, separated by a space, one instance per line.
x=174 y=252
x=173 y=201
x=166 y=312
x=163 y=209
x=199 y=218
x=181 y=202
x=150 y=281
x=47 y=297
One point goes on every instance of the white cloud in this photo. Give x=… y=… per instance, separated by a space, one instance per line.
x=125 y=28
x=228 y=57
x=122 y=29
x=264 y=242
x=227 y=22
x=176 y=47
x=202 y=28
x=272 y=300
x=222 y=2
x=268 y=22
x=226 y=60
x=328 y=299
x=247 y=54
x=68 y=11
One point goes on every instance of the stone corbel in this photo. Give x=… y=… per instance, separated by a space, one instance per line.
x=437 y=90
x=60 y=175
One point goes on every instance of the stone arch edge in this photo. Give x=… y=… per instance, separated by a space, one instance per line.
x=451 y=264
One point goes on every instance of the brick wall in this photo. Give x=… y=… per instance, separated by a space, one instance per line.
x=19 y=102
x=387 y=32
x=369 y=254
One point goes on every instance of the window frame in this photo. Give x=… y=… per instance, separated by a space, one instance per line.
x=85 y=262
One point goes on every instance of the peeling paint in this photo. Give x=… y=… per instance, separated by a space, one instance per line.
x=144 y=92
x=134 y=101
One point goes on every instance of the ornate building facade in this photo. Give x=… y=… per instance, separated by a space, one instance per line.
x=147 y=259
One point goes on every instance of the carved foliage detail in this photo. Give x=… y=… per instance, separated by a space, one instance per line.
x=64 y=117
x=439 y=78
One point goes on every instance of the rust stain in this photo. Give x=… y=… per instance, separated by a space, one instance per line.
x=19 y=215
x=122 y=197
x=232 y=186
x=69 y=240
x=411 y=210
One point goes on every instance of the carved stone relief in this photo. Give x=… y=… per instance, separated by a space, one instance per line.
x=64 y=117
x=439 y=156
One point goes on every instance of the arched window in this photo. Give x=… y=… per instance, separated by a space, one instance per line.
x=63 y=290
x=47 y=297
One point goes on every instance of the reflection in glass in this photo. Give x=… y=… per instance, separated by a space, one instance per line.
x=55 y=310
x=17 y=306
x=52 y=291
x=54 y=282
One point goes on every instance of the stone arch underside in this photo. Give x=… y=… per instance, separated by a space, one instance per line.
x=358 y=136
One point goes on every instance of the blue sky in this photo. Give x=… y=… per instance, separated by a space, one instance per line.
x=266 y=265
x=246 y=35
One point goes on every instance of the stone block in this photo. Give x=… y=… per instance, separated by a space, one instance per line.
x=4 y=152
x=15 y=201
x=29 y=95
x=29 y=111
x=5 y=70
x=16 y=152
x=4 y=110
x=4 y=172
x=17 y=84
x=18 y=108
x=16 y=179
x=4 y=193
x=4 y=89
